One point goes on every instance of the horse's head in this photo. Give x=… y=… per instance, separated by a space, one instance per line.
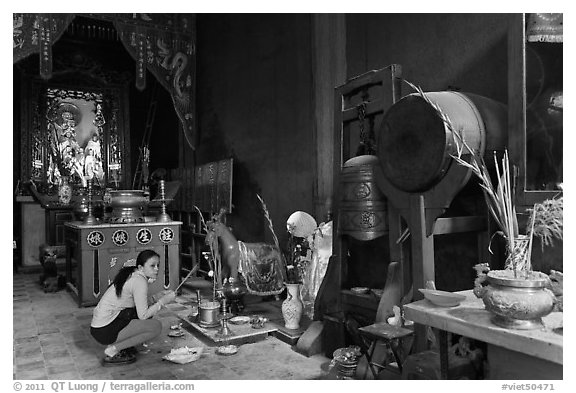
x=216 y=229
x=215 y=224
x=210 y=236
x=213 y=231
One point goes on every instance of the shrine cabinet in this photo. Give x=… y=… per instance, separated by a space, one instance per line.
x=95 y=254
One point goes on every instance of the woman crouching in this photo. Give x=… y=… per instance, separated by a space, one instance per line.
x=122 y=318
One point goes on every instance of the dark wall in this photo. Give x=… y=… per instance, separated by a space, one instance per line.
x=436 y=51
x=164 y=125
x=254 y=89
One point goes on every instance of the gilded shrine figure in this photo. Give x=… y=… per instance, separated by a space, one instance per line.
x=93 y=160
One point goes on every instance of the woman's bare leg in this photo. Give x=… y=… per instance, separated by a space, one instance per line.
x=136 y=332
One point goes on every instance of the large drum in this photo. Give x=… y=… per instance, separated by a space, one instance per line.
x=415 y=146
x=363 y=206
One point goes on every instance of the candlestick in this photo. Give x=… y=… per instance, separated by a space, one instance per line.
x=163 y=216
x=90 y=219
x=224 y=317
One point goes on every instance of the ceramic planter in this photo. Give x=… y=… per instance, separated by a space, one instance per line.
x=64 y=191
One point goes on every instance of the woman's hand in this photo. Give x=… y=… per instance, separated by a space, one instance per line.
x=155 y=297
x=168 y=297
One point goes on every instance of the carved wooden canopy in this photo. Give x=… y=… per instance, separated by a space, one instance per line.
x=163 y=44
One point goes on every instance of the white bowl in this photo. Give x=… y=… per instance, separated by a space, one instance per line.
x=442 y=298
x=360 y=290
x=239 y=320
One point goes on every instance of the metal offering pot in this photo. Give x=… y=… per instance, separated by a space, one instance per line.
x=208 y=312
x=516 y=303
x=127 y=205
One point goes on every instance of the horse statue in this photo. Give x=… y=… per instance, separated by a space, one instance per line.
x=260 y=264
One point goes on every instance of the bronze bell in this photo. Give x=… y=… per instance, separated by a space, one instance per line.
x=545 y=27
x=363 y=207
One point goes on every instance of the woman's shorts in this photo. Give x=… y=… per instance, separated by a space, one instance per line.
x=108 y=334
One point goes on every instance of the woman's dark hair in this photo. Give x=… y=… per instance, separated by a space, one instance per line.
x=126 y=271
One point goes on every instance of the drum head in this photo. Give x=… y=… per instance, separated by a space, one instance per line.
x=412 y=145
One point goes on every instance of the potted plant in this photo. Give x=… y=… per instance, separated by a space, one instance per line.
x=517 y=296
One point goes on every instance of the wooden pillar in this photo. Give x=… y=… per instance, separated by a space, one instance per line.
x=329 y=71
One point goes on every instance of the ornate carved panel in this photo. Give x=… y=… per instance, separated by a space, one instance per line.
x=74 y=132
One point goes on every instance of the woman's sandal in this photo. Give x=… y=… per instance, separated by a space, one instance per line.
x=120 y=358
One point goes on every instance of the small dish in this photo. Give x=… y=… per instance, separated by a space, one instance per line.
x=227 y=350
x=360 y=290
x=442 y=298
x=184 y=355
x=239 y=320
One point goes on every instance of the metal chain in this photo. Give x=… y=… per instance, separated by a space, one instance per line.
x=361 y=116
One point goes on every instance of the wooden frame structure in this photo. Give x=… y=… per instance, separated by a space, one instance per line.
x=386 y=84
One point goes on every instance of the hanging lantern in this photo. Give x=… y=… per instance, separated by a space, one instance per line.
x=545 y=27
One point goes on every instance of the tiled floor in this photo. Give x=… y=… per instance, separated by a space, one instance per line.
x=52 y=341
